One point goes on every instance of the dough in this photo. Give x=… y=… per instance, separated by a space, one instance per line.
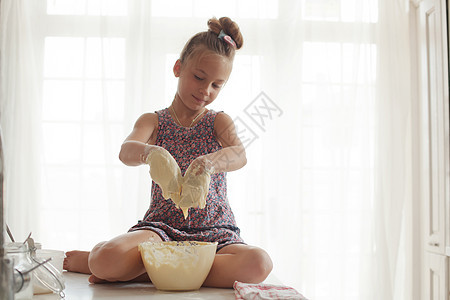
x=165 y=171
x=188 y=191
x=194 y=189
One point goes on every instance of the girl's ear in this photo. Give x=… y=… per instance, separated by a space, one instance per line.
x=177 y=68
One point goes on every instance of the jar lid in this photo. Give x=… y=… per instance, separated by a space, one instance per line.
x=49 y=277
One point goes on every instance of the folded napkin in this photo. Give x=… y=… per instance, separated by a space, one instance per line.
x=248 y=291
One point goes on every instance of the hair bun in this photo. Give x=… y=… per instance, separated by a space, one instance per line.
x=229 y=27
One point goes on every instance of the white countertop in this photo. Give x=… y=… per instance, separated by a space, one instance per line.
x=78 y=288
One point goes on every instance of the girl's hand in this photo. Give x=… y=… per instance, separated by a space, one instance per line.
x=202 y=165
x=165 y=171
x=195 y=187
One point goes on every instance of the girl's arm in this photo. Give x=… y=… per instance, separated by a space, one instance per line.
x=232 y=157
x=140 y=142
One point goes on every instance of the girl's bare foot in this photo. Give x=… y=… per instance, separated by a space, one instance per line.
x=77 y=261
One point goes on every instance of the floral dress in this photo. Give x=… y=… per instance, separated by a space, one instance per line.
x=214 y=223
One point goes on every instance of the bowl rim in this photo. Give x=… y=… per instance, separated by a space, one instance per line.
x=180 y=243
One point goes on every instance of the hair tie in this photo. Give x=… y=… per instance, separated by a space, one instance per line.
x=225 y=37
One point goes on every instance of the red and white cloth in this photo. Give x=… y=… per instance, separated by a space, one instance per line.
x=248 y=291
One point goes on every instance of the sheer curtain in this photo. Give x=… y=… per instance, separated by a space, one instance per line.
x=20 y=118
x=320 y=94
x=392 y=210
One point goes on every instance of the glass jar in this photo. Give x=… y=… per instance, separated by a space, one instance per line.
x=20 y=255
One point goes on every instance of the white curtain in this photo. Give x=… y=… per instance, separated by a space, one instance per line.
x=20 y=118
x=391 y=222
x=320 y=92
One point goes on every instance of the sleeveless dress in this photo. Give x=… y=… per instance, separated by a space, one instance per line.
x=214 y=223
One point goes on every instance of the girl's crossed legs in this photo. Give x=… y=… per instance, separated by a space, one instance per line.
x=120 y=260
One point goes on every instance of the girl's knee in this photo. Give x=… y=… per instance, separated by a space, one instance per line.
x=104 y=259
x=119 y=258
x=259 y=265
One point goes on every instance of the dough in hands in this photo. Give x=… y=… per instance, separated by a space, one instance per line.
x=165 y=171
x=188 y=191
x=194 y=189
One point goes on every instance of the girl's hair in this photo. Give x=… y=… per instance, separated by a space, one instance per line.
x=209 y=40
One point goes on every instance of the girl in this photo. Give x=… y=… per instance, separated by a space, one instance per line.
x=195 y=136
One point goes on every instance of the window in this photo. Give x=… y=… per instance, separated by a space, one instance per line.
x=83 y=94
x=87 y=7
x=338 y=79
x=207 y=8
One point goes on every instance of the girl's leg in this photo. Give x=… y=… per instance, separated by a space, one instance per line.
x=119 y=259
x=239 y=262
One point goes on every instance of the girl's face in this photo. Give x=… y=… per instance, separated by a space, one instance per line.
x=200 y=81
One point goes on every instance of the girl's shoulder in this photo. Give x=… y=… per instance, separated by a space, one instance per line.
x=147 y=127
x=148 y=120
x=222 y=121
x=225 y=131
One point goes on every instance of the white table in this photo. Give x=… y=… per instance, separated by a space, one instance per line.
x=78 y=288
